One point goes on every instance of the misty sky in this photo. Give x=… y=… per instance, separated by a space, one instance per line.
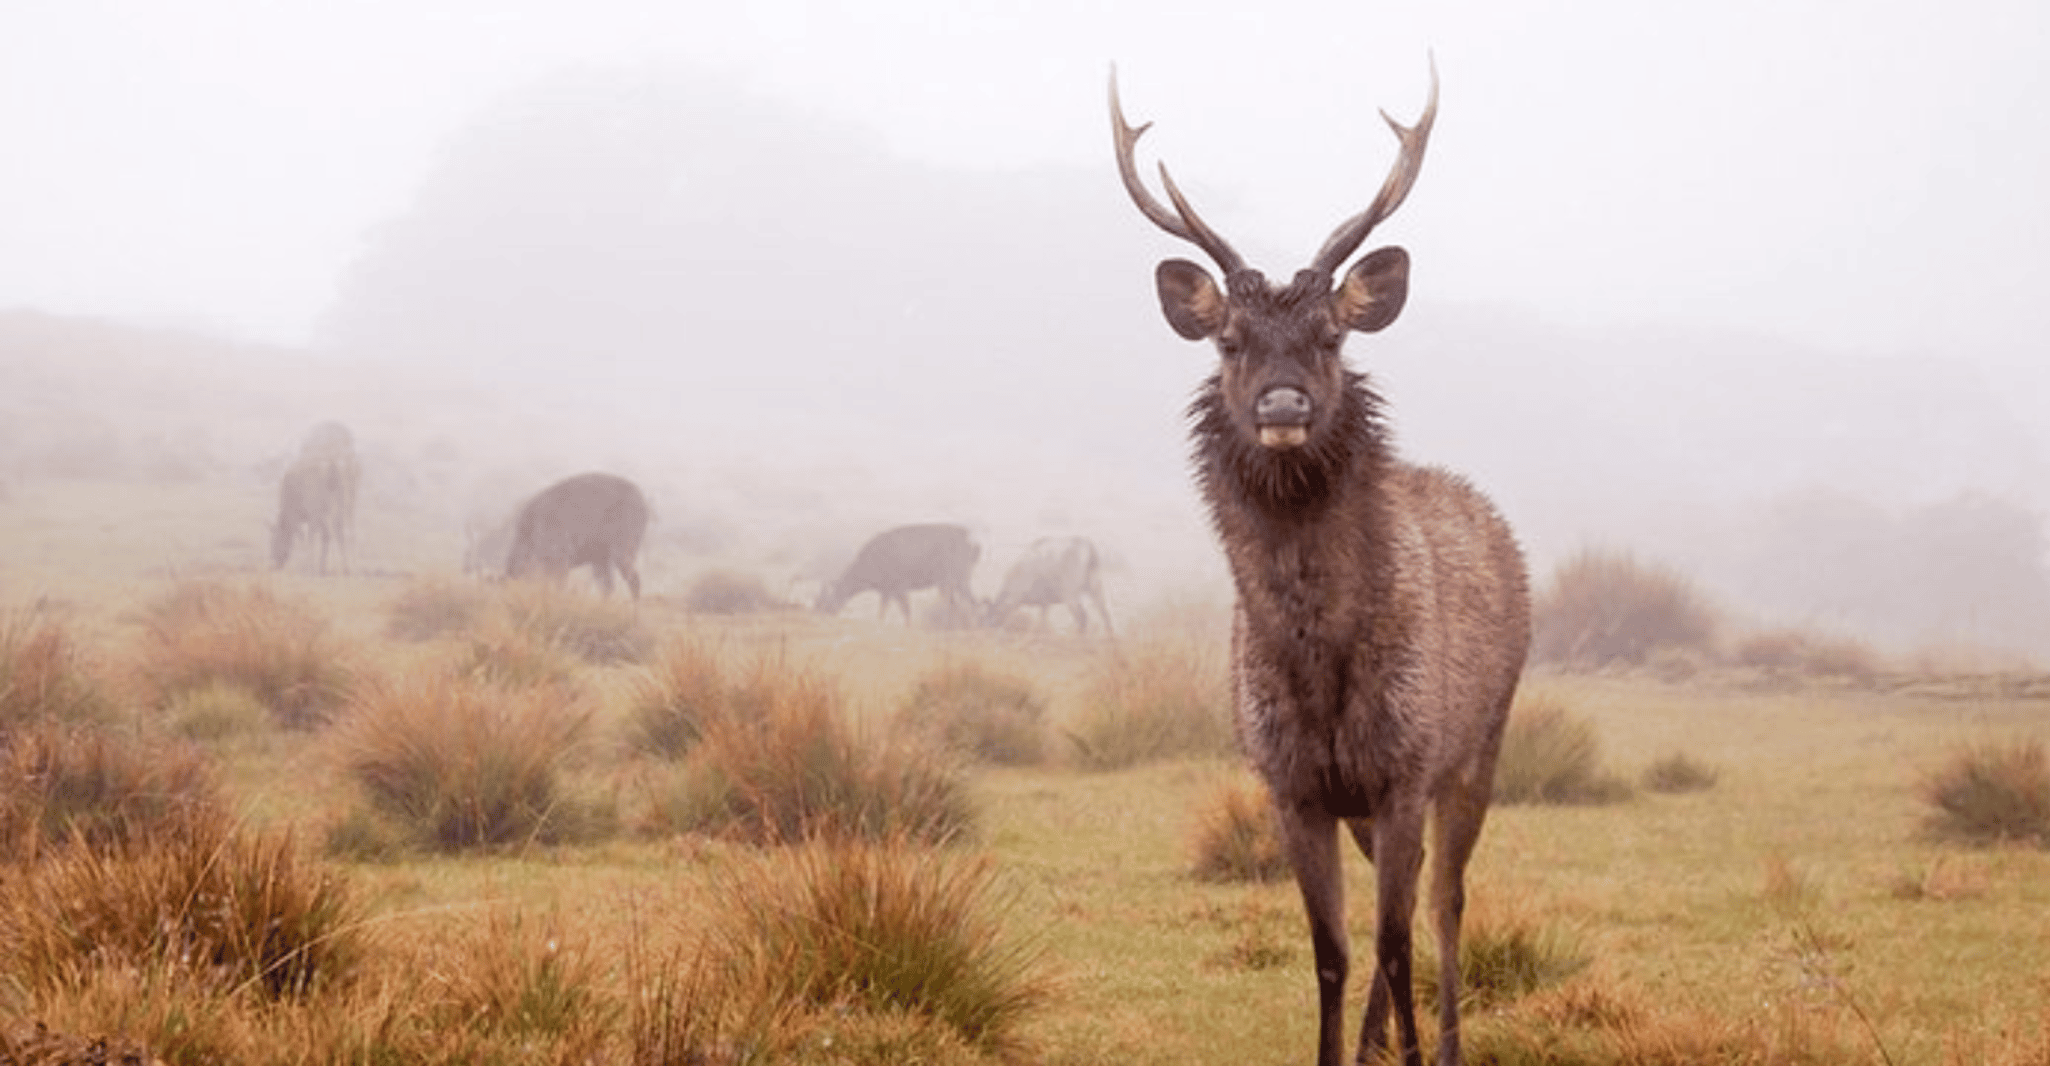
x=1860 y=176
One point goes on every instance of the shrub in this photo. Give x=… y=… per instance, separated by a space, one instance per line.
x=1678 y=772
x=1791 y=652
x=63 y=784
x=1551 y=756
x=1606 y=608
x=726 y=592
x=461 y=764
x=1991 y=793
x=1237 y=838
x=434 y=607
x=980 y=713
x=1156 y=700
x=882 y=929
x=782 y=764
x=43 y=677
x=219 y=908
x=597 y=631
x=206 y=633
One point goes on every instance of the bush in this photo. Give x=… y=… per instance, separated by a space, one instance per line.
x=1604 y=608
x=62 y=784
x=435 y=607
x=1155 y=700
x=968 y=708
x=215 y=907
x=208 y=633
x=1791 y=652
x=881 y=929
x=1678 y=773
x=597 y=631
x=1991 y=793
x=1551 y=756
x=726 y=592
x=461 y=764
x=43 y=677
x=1237 y=838
x=782 y=764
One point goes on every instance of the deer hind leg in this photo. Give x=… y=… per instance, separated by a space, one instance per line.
x=1311 y=840
x=1397 y=853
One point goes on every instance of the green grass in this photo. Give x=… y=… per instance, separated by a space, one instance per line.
x=1748 y=923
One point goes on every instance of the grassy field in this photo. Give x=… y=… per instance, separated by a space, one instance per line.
x=1795 y=911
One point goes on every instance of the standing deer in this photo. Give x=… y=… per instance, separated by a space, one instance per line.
x=1382 y=612
x=594 y=520
x=317 y=496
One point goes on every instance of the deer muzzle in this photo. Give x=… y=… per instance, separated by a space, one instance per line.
x=1283 y=415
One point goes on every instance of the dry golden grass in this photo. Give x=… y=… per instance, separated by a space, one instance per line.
x=280 y=650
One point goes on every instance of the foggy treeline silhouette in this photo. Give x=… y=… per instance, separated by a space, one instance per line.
x=746 y=293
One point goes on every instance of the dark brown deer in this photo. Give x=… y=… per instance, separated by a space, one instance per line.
x=1382 y=614
x=899 y=561
x=594 y=520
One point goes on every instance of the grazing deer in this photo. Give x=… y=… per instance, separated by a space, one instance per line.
x=594 y=520
x=1054 y=570
x=1382 y=612
x=899 y=561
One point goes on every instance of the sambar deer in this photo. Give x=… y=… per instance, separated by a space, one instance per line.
x=1382 y=614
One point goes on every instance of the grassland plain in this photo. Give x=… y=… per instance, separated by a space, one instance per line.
x=1797 y=898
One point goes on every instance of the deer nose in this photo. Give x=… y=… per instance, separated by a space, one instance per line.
x=1282 y=405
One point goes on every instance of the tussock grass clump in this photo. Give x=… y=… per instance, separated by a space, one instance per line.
x=205 y=633
x=880 y=929
x=1605 y=608
x=1991 y=793
x=1237 y=838
x=596 y=631
x=498 y=652
x=435 y=607
x=1678 y=772
x=525 y=980
x=779 y=762
x=1552 y=756
x=1151 y=700
x=216 y=907
x=43 y=675
x=61 y=784
x=216 y=711
x=984 y=714
x=729 y=592
x=1503 y=956
x=671 y=700
x=461 y=764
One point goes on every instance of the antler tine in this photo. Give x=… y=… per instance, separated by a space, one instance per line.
x=1394 y=190
x=1182 y=221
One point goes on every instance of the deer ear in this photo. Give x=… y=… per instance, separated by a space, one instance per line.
x=1373 y=291
x=1189 y=299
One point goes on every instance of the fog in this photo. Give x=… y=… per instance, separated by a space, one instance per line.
x=1716 y=284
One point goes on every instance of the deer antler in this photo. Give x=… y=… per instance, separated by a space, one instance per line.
x=1347 y=237
x=1182 y=221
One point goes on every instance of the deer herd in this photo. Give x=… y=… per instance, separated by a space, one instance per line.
x=1381 y=616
